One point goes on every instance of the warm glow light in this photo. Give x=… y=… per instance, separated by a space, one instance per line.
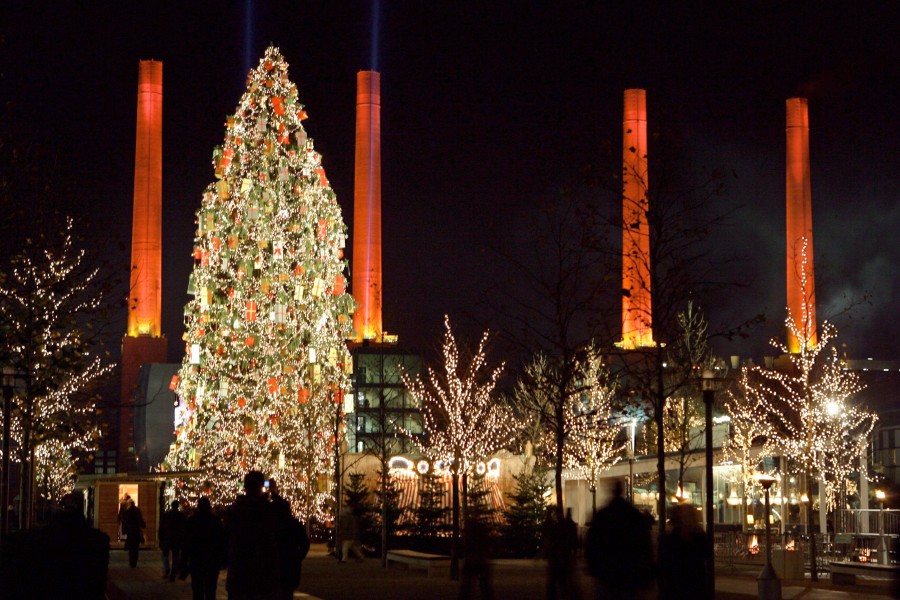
x=880 y=495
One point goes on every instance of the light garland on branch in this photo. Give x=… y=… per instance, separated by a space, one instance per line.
x=461 y=417
x=45 y=301
x=265 y=359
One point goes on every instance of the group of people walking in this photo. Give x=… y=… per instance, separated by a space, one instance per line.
x=620 y=555
x=259 y=540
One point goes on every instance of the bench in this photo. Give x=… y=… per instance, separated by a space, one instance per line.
x=435 y=564
x=844 y=573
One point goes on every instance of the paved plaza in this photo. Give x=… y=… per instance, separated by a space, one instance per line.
x=324 y=578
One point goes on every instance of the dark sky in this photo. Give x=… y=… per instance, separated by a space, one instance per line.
x=487 y=109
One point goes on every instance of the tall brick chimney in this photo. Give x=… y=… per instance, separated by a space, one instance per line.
x=366 y=280
x=801 y=285
x=637 y=331
x=144 y=343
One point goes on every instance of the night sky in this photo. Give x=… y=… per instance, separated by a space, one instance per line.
x=489 y=108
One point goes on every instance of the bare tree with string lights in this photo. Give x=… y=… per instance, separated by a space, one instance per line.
x=809 y=407
x=462 y=417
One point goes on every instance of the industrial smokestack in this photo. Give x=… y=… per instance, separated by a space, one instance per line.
x=801 y=296
x=143 y=342
x=146 y=237
x=637 y=319
x=367 y=209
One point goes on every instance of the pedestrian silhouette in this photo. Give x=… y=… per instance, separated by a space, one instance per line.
x=560 y=543
x=252 y=529
x=682 y=556
x=133 y=526
x=618 y=549
x=172 y=531
x=476 y=566
x=66 y=559
x=293 y=542
x=350 y=535
x=204 y=550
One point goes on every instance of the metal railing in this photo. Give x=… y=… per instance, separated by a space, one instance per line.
x=869 y=521
x=740 y=548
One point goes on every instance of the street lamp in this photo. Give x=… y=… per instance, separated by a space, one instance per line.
x=882 y=541
x=632 y=426
x=709 y=397
x=9 y=389
x=768 y=584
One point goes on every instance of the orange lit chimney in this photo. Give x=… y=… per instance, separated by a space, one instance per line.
x=144 y=343
x=637 y=331
x=801 y=297
x=367 y=209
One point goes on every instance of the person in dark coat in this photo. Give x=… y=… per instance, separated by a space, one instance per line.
x=251 y=526
x=293 y=542
x=133 y=526
x=66 y=559
x=477 y=566
x=204 y=550
x=682 y=556
x=560 y=542
x=172 y=531
x=619 y=551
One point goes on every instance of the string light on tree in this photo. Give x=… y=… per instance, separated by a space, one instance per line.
x=809 y=407
x=462 y=420
x=265 y=360
x=46 y=299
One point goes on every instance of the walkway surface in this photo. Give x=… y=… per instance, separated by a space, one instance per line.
x=326 y=579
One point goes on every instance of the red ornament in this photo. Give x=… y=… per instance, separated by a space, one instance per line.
x=278 y=105
x=339 y=285
x=303 y=396
x=249 y=341
x=252 y=309
x=272 y=384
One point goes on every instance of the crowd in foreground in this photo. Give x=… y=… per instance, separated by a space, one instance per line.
x=258 y=539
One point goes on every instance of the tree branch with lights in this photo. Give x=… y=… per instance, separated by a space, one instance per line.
x=462 y=418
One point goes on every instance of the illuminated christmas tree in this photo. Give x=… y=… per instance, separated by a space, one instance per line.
x=265 y=357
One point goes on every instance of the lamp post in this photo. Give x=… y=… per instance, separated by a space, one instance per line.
x=768 y=584
x=9 y=388
x=709 y=397
x=813 y=561
x=882 y=541
x=632 y=425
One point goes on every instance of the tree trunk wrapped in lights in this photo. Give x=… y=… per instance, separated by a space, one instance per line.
x=266 y=359
x=462 y=420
